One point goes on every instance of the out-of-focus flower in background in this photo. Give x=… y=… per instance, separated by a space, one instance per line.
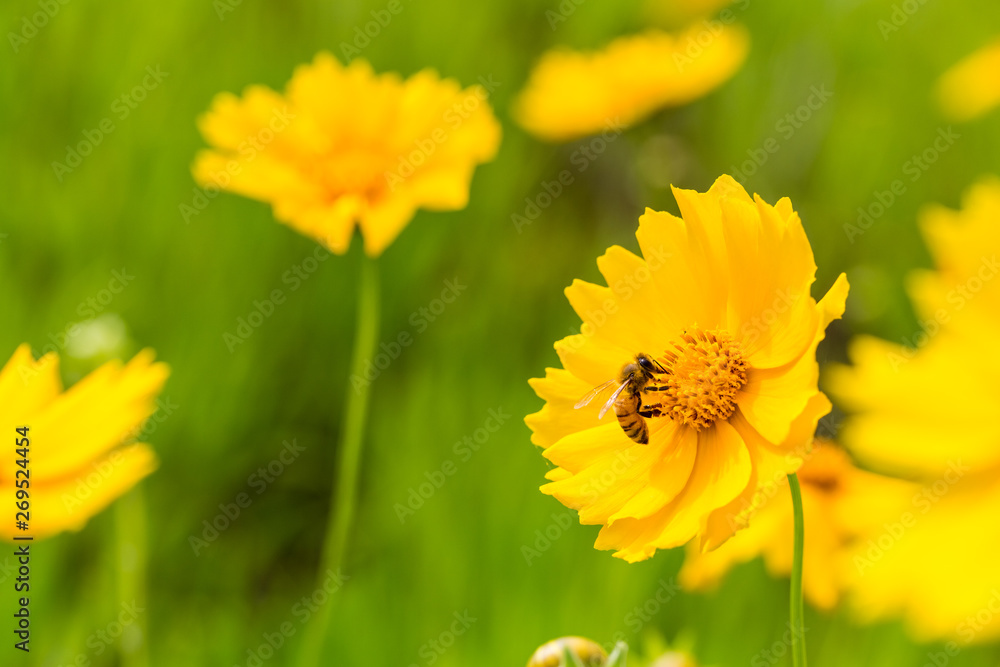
x=721 y=299
x=80 y=457
x=572 y=94
x=840 y=503
x=971 y=88
x=576 y=652
x=657 y=652
x=345 y=146
x=930 y=413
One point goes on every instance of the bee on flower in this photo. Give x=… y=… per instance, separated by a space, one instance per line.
x=732 y=400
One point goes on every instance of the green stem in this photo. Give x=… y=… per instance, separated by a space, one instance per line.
x=344 y=494
x=131 y=557
x=795 y=600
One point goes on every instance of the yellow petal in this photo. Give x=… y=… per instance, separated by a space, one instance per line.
x=721 y=470
x=67 y=503
x=971 y=88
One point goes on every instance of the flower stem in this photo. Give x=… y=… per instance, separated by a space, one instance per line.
x=795 y=599
x=344 y=494
x=131 y=557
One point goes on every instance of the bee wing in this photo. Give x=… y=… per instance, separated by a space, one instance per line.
x=611 y=401
x=593 y=393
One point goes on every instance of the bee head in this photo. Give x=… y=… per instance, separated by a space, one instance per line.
x=648 y=365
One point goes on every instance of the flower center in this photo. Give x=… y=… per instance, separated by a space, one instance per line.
x=704 y=372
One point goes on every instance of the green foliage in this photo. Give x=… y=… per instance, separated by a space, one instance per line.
x=459 y=553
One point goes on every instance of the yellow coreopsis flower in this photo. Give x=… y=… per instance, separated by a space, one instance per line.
x=344 y=145
x=710 y=339
x=971 y=88
x=923 y=410
x=841 y=503
x=572 y=94
x=79 y=459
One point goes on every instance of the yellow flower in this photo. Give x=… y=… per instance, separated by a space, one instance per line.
x=721 y=302
x=552 y=654
x=971 y=88
x=344 y=145
x=928 y=412
x=656 y=652
x=840 y=503
x=572 y=94
x=78 y=458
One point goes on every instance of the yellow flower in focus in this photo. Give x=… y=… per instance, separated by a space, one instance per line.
x=840 y=503
x=971 y=88
x=79 y=461
x=344 y=145
x=572 y=94
x=720 y=301
x=926 y=412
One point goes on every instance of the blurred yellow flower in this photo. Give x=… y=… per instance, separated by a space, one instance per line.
x=919 y=410
x=655 y=652
x=572 y=94
x=344 y=145
x=79 y=459
x=971 y=88
x=552 y=654
x=719 y=307
x=840 y=503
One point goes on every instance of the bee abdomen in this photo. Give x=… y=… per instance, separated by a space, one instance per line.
x=630 y=420
x=635 y=428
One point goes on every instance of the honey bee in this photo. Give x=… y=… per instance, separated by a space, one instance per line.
x=627 y=398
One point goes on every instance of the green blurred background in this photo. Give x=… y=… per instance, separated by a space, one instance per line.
x=462 y=550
